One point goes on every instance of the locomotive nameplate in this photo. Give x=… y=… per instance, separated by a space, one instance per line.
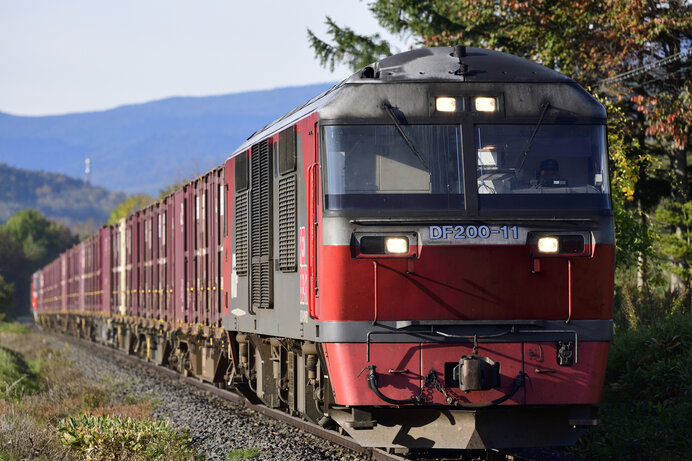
x=473 y=231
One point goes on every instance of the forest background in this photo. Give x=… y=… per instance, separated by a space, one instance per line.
x=634 y=56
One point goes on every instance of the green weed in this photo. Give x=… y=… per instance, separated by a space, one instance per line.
x=17 y=376
x=40 y=392
x=106 y=437
x=242 y=453
x=13 y=328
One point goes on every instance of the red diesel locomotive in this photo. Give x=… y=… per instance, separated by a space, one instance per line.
x=422 y=255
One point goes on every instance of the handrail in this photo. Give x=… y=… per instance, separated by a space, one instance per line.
x=374 y=265
x=312 y=239
x=569 y=291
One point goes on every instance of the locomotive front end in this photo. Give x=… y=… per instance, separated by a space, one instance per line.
x=465 y=253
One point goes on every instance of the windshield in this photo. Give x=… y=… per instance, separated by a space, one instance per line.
x=561 y=167
x=372 y=166
x=565 y=164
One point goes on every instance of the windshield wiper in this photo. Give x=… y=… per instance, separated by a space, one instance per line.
x=390 y=111
x=533 y=135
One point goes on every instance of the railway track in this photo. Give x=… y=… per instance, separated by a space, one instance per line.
x=311 y=428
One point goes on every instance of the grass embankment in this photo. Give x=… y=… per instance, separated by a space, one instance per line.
x=647 y=400
x=49 y=411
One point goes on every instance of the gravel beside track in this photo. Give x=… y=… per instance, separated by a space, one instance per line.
x=216 y=426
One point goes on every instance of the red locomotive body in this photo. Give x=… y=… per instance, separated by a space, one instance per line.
x=423 y=255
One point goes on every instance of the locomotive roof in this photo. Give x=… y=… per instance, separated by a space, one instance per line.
x=447 y=64
x=444 y=63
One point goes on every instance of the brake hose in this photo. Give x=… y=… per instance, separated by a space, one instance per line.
x=372 y=382
x=516 y=384
x=432 y=379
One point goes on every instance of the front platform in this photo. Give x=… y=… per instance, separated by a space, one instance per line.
x=441 y=428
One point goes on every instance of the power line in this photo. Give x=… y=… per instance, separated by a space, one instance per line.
x=646 y=68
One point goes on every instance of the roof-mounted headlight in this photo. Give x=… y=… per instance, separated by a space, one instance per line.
x=485 y=104
x=446 y=104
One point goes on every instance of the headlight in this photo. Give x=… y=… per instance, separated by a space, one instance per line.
x=383 y=246
x=484 y=104
x=547 y=245
x=396 y=245
x=444 y=104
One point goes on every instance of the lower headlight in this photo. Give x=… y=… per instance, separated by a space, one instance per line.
x=548 y=245
x=396 y=245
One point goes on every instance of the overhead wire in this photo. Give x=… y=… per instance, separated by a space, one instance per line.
x=646 y=68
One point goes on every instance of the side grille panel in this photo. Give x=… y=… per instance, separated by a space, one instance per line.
x=241 y=233
x=287 y=150
x=261 y=227
x=287 y=224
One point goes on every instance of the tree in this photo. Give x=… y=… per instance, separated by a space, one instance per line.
x=677 y=246
x=6 y=297
x=129 y=206
x=41 y=240
x=356 y=50
x=171 y=188
x=29 y=241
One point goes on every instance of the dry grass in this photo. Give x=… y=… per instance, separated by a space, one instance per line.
x=22 y=437
x=50 y=389
x=134 y=410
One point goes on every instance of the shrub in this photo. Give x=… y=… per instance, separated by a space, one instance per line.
x=21 y=437
x=105 y=437
x=647 y=399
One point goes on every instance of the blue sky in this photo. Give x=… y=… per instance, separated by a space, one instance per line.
x=62 y=56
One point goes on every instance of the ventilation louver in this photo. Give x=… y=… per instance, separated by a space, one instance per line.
x=261 y=227
x=241 y=233
x=287 y=224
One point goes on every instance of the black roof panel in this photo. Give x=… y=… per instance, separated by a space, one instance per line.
x=440 y=64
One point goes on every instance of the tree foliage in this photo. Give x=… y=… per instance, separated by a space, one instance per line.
x=137 y=202
x=6 y=296
x=628 y=164
x=28 y=241
x=675 y=221
x=356 y=50
x=129 y=206
x=41 y=240
x=171 y=188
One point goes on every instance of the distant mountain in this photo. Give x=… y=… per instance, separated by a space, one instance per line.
x=145 y=147
x=74 y=202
